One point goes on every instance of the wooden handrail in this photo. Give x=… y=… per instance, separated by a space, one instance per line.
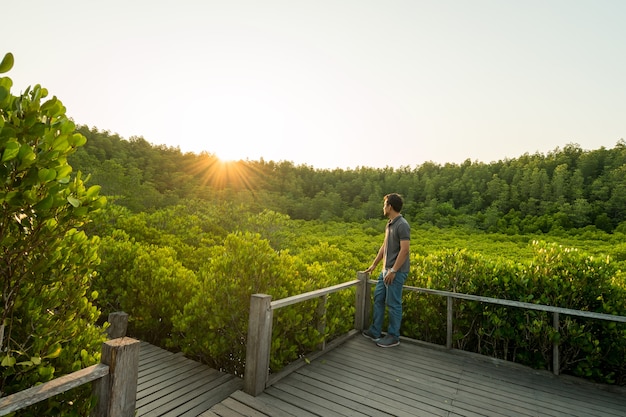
x=284 y=302
x=114 y=380
x=259 y=340
x=49 y=389
x=556 y=312
x=521 y=304
x=262 y=307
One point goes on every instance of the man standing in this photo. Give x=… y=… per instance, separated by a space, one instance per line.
x=395 y=255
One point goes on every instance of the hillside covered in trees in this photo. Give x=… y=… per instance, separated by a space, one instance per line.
x=565 y=189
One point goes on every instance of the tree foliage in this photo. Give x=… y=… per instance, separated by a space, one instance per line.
x=554 y=275
x=564 y=189
x=47 y=323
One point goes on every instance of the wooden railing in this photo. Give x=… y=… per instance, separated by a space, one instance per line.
x=260 y=327
x=556 y=311
x=256 y=377
x=114 y=379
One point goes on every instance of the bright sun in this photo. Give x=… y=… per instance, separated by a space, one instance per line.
x=223 y=173
x=229 y=155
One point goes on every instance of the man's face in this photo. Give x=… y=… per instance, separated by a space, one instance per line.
x=386 y=208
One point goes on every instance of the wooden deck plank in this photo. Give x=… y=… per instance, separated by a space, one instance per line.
x=148 y=352
x=155 y=363
x=521 y=386
x=360 y=379
x=386 y=384
x=241 y=409
x=367 y=365
x=221 y=410
x=197 y=397
x=171 y=366
x=287 y=407
x=217 y=394
x=383 y=398
x=196 y=383
x=148 y=349
x=177 y=382
x=415 y=379
x=258 y=405
x=521 y=401
x=380 y=391
x=299 y=399
x=165 y=373
x=171 y=401
x=339 y=401
x=172 y=385
x=361 y=402
x=209 y=413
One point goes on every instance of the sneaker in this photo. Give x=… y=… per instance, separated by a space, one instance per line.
x=388 y=341
x=369 y=335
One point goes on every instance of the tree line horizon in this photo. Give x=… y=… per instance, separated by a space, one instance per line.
x=567 y=188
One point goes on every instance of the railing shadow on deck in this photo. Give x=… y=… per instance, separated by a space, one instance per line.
x=114 y=379
x=257 y=377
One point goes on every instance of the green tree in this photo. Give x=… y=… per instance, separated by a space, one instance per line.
x=213 y=326
x=47 y=323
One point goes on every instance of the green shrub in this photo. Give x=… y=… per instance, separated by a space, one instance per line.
x=214 y=324
x=47 y=323
x=147 y=282
x=556 y=276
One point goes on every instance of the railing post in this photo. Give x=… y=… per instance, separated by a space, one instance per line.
x=321 y=320
x=258 y=344
x=117 y=391
x=363 y=301
x=118 y=325
x=449 y=323
x=555 y=345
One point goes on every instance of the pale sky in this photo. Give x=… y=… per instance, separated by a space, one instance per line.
x=332 y=83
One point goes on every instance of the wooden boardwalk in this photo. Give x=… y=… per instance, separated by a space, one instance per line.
x=171 y=385
x=361 y=379
x=413 y=379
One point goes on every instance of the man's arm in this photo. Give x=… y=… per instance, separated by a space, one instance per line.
x=379 y=256
x=402 y=256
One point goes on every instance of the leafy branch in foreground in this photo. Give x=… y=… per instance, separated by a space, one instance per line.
x=46 y=314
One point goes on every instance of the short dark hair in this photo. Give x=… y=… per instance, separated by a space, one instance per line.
x=395 y=201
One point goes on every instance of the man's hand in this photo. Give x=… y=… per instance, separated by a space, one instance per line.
x=389 y=277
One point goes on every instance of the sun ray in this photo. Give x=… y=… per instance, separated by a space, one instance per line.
x=221 y=174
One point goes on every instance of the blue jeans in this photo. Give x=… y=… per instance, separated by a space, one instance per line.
x=391 y=297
